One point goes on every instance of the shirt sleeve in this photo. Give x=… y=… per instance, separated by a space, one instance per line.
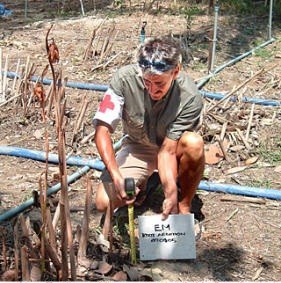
x=189 y=119
x=110 y=109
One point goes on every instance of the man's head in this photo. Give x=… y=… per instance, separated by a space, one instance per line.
x=159 y=60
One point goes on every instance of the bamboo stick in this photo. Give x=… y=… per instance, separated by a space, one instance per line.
x=223 y=130
x=24 y=94
x=56 y=217
x=16 y=77
x=5 y=77
x=80 y=117
x=250 y=122
x=87 y=138
x=4 y=248
x=24 y=264
x=223 y=150
x=35 y=272
x=1 y=76
x=16 y=246
x=243 y=138
x=60 y=110
x=51 y=230
x=54 y=258
x=86 y=219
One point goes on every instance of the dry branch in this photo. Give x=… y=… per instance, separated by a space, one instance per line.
x=89 y=50
x=24 y=264
x=243 y=199
x=31 y=242
x=240 y=86
x=51 y=230
x=80 y=118
x=17 y=252
x=250 y=122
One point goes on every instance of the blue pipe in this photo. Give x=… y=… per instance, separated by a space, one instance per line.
x=85 y=86
x=18 y=209
x=219 y=96
x=241 y=190
x=207 y=186
x=103 y=88
x=52 y=158
x=41 y=156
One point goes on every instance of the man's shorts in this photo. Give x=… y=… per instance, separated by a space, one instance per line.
x=135 y=161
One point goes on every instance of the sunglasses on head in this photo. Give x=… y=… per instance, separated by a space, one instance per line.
x=157 y=65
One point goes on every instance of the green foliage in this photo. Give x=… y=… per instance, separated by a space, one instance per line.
x=263 y=53
x=260 y=183
x=270 y=155
x=277 y=8
x=191 y=11
x=243 y=7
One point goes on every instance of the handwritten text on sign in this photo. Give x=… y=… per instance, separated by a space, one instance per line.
x=172 y=238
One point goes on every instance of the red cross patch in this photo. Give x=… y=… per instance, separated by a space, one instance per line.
x=106 y=104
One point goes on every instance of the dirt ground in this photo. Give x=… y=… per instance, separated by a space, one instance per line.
x=240 y=238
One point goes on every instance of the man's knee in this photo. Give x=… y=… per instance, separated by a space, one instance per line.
x=192 y=144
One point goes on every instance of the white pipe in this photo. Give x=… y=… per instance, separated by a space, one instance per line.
x=270 y=20
x=25 y=9
x=231 y=62
x=82 y=8
x=214 y=37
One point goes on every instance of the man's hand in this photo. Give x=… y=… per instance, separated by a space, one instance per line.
x=170 y=205
x=119 y=184
x=168 y=170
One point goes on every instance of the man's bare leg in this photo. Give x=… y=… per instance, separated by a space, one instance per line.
x=191 y=158
x=106 y=201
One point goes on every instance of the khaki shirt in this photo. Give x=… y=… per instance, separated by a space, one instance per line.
x=148 y=122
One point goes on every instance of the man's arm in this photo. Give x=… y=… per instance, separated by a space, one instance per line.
x=167 y=167
x=107 y=154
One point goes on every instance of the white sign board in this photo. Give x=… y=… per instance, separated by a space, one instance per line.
x=172 y=238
